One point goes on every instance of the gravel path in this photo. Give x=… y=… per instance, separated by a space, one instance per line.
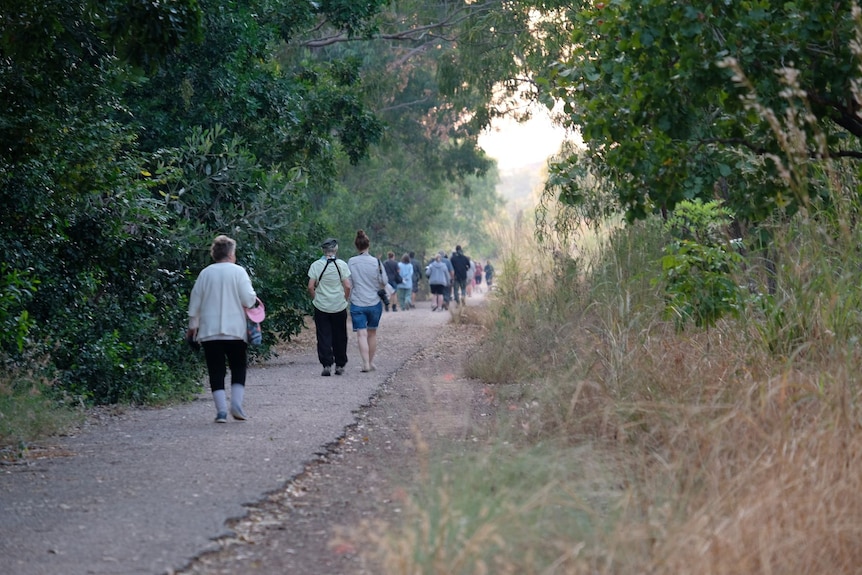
x=167 y=490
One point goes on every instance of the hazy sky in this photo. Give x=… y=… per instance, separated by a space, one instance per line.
x=514 y=145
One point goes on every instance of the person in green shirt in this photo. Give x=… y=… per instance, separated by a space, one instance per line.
x=329 y=287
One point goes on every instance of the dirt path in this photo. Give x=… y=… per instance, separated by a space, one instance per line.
x=308 y=527
x=168 y=491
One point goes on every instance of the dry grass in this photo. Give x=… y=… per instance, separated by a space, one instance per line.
x=28 y=414
x=469 y=315
x=633 y=447
x=636 y=448
x=770 y=484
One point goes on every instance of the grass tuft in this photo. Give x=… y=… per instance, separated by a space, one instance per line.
x=628 y=445
x=28 y=414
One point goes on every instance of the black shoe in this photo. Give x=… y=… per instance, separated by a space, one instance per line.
x=339 y=370
x=394 y=308
x=387 y=307
x=325 y=371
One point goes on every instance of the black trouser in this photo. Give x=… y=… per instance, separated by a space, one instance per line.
x=331 y=337
x=460 y=286
x=215 y=352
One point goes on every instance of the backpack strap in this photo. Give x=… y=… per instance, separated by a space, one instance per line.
x=329 y=261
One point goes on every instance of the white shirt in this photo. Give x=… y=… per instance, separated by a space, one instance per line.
x=368 y=276
x=217 y=302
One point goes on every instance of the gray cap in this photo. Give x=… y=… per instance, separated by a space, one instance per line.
x=329 y=244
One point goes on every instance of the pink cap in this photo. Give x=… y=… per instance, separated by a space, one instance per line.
x=256 y=313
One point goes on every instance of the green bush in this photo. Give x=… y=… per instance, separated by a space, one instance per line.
x=700 y=266
x=699 y=283
x=16 y=291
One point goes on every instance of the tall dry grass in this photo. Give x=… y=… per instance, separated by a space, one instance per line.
x=634 y=447
x=638 y=448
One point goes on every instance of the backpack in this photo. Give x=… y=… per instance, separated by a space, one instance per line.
x=397 y=274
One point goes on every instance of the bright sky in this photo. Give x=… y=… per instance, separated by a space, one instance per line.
x=514 y=145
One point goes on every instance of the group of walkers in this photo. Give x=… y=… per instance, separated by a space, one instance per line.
x=357 y=285
x=403 y=277
x=455 y=277
x=223 y=305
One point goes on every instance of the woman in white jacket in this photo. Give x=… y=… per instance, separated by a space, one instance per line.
x=217 y=320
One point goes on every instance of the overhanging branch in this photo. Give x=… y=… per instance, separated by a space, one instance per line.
x=760 y=151
x=434 y=30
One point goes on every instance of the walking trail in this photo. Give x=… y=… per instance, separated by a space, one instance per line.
x=152 y=491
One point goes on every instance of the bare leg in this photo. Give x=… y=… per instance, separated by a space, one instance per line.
x=372 y=348
x=362 y=338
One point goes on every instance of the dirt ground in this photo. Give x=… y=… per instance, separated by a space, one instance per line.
x=309 y=526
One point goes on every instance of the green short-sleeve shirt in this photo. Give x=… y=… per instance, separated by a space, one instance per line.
x=329 y=293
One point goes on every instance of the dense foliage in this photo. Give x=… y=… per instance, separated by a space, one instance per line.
x=134 y=131
x=677 y=101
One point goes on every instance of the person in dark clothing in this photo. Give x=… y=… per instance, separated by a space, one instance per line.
x=393 y=276
x=461 y=267
x=417 y=274
x=489 y=274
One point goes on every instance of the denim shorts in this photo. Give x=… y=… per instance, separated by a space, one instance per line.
x=366 y=317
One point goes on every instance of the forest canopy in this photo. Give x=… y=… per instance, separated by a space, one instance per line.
x=134 y=131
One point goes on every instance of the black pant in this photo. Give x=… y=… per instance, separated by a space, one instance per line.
x=460 y=286
x=331 y=337
x=216 y=351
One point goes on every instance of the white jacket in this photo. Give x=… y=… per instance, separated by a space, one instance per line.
x=217 y=302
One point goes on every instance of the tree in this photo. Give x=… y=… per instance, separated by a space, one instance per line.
x=430 y=75
x=665 y=118
x=116 y=176
x=132 y=132
x=80 y=230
